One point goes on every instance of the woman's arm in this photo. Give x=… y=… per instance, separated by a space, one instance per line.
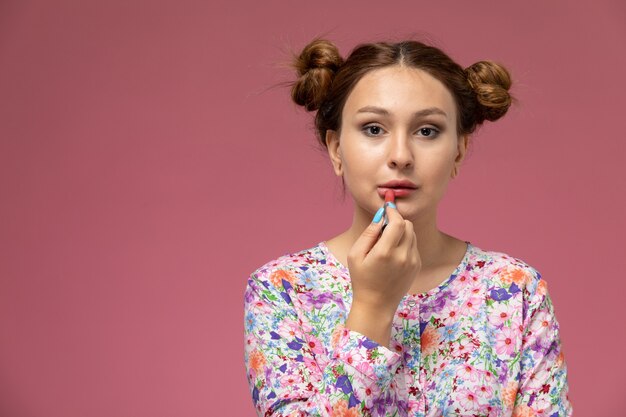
x=291 y=373
x=543 y=384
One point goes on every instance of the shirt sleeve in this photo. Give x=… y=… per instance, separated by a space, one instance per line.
x=291 y=373
x=543 y=387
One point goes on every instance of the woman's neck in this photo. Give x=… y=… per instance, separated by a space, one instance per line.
x=432 y=244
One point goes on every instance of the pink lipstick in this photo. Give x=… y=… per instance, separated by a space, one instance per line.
x=390 y=197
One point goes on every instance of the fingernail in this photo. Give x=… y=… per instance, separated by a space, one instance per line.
x=379 y=215
x=390 y=204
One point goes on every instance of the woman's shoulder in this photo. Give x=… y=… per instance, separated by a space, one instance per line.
x=505 y=270
x=294 y=262
x=497 y=259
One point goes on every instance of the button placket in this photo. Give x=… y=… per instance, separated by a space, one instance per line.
x=412 y=323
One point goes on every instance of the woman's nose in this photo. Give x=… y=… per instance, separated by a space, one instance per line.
x=400 y=152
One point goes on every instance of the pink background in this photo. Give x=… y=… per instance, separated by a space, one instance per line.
x=148 y=164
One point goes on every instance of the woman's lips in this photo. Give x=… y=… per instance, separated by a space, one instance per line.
x=398 y=192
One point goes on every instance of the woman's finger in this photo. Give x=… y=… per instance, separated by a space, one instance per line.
x=395 y=222
x=368 y=238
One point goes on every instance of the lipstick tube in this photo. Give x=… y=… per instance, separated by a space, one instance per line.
x=390 y=197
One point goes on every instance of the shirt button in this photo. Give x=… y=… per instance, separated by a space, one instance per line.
x=411 y=303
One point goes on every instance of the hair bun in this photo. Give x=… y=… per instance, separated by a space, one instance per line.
x=491 y=83
x=316 y=65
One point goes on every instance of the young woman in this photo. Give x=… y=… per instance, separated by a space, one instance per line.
x=401 y=319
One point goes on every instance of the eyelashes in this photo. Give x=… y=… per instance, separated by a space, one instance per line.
x=373 y=130
x=433 y=132
x=368 y=130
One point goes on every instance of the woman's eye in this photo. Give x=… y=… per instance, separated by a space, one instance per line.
x=372 y=130
x=429 y=132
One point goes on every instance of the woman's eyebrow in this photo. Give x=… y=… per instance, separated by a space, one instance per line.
x=419 y=113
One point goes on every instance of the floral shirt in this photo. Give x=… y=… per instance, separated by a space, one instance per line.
x=483 y=343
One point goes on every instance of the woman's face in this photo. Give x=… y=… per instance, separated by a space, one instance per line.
x=398 y=123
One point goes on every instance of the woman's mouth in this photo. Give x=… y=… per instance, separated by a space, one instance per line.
x=397 y=191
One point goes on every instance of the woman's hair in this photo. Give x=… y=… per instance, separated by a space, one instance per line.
x=325 y=80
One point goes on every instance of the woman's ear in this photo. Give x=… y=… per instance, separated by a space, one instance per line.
x=462 y=145
x=334 y=151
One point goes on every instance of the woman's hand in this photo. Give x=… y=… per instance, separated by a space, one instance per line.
x=381 y=271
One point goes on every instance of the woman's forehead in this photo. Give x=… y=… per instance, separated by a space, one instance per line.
x=401 y=91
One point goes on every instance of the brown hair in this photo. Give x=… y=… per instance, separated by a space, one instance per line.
x=325 y=80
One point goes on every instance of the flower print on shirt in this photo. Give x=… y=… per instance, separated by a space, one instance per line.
x=484 y=342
